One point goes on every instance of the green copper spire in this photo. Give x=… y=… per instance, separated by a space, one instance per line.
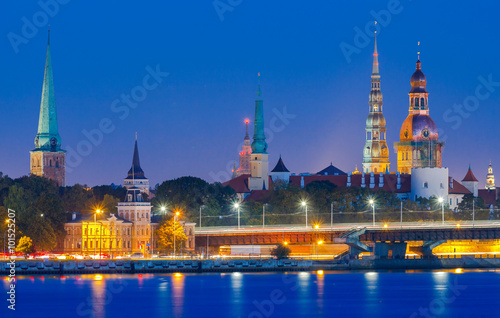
x=259 y=144
x=48 y=137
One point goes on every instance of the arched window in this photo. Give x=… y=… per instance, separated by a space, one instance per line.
x=422 y=104
x=416 y=102
x=411 y=102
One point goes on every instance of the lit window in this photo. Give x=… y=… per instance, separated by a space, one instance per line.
x=426 y=185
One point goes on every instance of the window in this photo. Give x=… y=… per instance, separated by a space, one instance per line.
x=426 y=185
x=457 y=201
x=451 y=202
x=416 y=102
x=441 y=185
x=369 y=136
x=422 y=104
x=382 y=136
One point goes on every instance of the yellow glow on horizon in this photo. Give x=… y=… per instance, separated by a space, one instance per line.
x=97 y=277
x=320 y=272
x=459 y=271
x=178 y=275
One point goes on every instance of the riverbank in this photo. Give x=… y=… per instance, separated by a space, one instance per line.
x=241 y=265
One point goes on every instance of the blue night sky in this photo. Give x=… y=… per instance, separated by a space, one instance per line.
x=192 y=122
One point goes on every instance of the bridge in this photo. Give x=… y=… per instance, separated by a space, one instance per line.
x=380 y=240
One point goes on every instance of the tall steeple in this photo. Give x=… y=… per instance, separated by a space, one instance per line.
x=48 y=159
x=244 y=167
x=136 y=171
x=259 y=144
x=376 y=153
x=135 y=176
x=48 y=133
x=259 y=163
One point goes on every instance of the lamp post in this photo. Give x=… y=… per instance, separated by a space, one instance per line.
x=175 y=220
x=473 y=211
x=201 y=207
x=304 y=204
x=441 y=200
x=373 y=209
x=264 y=215
x=95 y=223
x=331 y=216
x=237 y=206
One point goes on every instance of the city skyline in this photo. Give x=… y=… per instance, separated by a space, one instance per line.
x=215 y=101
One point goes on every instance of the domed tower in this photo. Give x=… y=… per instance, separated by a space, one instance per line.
x=376 y=153
x=419 y=145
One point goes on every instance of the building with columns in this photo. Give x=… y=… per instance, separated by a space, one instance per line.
x=376 y=153
x=48 y=159
x=419 y=145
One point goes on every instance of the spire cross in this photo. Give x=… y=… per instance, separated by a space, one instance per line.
x=418 y=52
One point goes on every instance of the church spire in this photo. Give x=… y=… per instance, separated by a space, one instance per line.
x=375 y=56
x=47 y=136
x=259 y=144
x=375 y=153
x=247 y=137
x=136 y=171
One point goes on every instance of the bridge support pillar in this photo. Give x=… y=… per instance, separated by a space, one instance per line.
x=381 y=250
x=398 y=250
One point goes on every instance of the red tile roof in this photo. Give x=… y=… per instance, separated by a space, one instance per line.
x=458 y=188
x=469 y=176
x=489 y=196
x=258 y=195
x=239 y=184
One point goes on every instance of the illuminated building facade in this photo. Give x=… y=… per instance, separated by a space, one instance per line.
x=419 y=145
x=48 y=159
x=245 y=154
x=376 y=153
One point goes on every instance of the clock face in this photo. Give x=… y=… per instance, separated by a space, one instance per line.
x=426 y=133
x=53 y=141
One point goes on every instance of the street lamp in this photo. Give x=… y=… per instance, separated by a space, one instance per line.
x=304 y=204
x=201 y=207
x=163 y=209
x=372 y=203
x=441 y=200
x=331 y=216
x=237 y=206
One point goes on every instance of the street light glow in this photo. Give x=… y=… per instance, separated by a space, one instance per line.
x=236 y=205
x=303 y=203
x=163 y=208
x=320 y=242
x=316 y=226
x=371 y=201
x=440 y=200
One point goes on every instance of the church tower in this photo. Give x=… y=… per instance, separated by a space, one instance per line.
x=48 y=159
x=135 y=177
x=490 y=179
x=245 y=154
x=419 y=145
x=376 y=153
x=259 y=164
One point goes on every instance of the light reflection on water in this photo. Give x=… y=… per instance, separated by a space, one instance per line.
x=316 y=294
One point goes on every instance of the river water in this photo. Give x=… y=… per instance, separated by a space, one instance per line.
x=457 y=293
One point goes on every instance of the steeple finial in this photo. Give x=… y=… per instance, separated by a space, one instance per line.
x=375 y=54
x=418 y=51
x=259 y=92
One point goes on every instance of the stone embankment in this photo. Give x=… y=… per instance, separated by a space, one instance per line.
x=152 y=266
